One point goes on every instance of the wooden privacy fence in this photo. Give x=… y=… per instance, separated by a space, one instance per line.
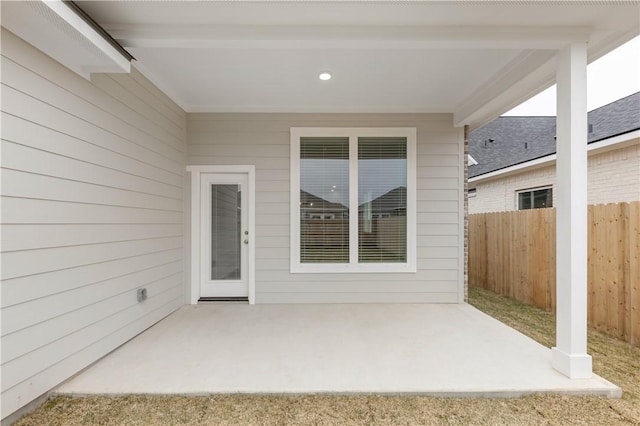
x=514 y=254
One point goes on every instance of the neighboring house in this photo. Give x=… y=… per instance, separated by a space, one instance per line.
x=118 y=177
x=515 y=158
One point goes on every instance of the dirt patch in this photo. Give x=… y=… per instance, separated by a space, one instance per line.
x=615 y=360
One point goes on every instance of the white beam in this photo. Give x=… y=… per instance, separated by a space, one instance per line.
x=346 y=36
x=528 y=74
x=90 y=34
x=569 y=356
x=57 y=30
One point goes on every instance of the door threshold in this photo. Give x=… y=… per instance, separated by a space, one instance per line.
x=224 y=299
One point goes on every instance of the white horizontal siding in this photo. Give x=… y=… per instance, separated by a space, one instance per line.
x=152 y=97
x=133 y=321
x=107 y=113
x=112 y=165
x=92 y=209
x=27 y=210
x=23 y=289
x=263 y=140
x=18 y=369
x=30 y=108
x=19 y=237
x=28 y=262
x=23 y=184
x=43 y=311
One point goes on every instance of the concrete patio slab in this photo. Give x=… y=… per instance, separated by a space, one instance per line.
x=443 y=350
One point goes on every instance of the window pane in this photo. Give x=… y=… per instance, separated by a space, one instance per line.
x=542 y=198
x=324 y=200
x=524 y=200
x=382 y=200
x=225 y=232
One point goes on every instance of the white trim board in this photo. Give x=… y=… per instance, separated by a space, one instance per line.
x=57 y=30
x=461 y=216
x=196 y=175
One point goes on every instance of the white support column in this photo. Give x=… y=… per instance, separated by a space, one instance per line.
x=570 y=354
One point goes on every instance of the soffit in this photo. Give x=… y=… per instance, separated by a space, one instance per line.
x=475 y=60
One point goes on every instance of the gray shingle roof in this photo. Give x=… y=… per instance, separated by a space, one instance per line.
x=507 y=141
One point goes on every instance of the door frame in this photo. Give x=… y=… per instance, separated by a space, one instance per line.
x=196 y=172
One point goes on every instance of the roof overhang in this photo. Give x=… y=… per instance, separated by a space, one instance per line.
x=604 y=145
x=64 y=32
x=474 y=60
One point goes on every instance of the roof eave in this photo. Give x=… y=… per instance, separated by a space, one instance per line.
x=529 y=75
x=595 y=147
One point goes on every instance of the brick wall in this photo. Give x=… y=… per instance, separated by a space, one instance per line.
x=613 y=177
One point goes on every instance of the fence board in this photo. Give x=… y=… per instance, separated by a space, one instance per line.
x=634 y=274
x=514 y=254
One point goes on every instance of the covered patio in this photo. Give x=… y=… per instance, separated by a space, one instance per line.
x=439 y=350
x=125 y=123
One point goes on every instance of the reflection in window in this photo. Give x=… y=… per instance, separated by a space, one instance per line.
x=535 y=199
x=382 y=200
x=324 y=200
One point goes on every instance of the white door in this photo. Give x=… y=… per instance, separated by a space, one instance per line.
x=224 y=242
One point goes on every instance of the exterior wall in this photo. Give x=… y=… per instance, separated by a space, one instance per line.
x=92 y=210
x=263 y=140
x=499 y=194
x=613 y=177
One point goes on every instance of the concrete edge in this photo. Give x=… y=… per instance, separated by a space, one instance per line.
x=614 y=392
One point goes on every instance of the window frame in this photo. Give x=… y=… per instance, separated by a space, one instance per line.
x=531 y=191
x=353 y=133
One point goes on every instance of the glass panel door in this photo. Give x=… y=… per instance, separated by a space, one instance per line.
x=226 y=231
x=224 y=235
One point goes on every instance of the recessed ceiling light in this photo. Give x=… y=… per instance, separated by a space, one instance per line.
x=324 y=76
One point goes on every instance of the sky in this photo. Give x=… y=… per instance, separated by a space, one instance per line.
x=610 y=78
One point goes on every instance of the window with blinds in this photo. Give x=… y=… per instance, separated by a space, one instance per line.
x=324 y=200
x=353 y=201
x=382 y=200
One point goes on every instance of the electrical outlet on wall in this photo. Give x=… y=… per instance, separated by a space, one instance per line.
x=141 y=294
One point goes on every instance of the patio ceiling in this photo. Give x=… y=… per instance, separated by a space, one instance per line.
x=473 y=60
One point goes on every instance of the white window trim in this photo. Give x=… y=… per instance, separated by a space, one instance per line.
x=353 y=133
x=537 y=188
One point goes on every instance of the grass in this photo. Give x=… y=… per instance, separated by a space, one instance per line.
x=612 y=359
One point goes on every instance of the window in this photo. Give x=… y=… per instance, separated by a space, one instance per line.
x=324 y=200
x=353 y=205
x=538 y=198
